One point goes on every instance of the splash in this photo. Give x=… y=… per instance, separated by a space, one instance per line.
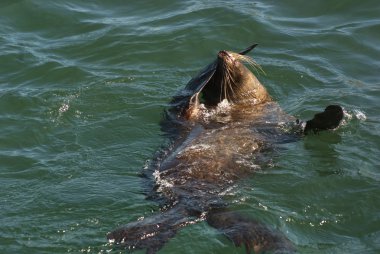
x=223 y=107
x=359 y=115
x=353 y=115
x=63 y=108
x=221 y=110
x=195 y=148
x=162 y=183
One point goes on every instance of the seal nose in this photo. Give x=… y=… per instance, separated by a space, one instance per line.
x=222 y=53
x=225 y=57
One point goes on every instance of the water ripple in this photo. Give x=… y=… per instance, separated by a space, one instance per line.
x=84 y=84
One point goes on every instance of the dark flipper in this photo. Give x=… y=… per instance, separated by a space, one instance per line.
x=326 y=120
x=256 y=237
x=151 y=233
x=245 y=51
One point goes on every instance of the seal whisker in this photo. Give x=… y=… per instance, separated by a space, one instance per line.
x=250 y=62
x=227 y=83
x=224 y=81
x=221 y=88
x=227 y=75
x=231 y=83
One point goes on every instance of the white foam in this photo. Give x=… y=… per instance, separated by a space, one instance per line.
x=64 y=107
x=161 y=182
x=355 y=114
x=222 y=109
x=359 y=115
x=196 y=148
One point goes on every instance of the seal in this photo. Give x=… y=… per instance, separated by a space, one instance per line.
x=219 y=127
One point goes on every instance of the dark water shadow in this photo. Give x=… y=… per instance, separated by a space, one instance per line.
x=322 y=148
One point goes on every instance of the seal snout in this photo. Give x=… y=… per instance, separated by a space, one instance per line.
x=224 y=55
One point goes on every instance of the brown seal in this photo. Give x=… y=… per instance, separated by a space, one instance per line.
x=231 y=81
x=218 y=126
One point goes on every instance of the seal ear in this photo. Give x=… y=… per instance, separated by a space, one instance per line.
x=245 y=51
x=326 y=120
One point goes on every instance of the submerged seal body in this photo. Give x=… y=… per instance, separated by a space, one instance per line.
x=219 y=125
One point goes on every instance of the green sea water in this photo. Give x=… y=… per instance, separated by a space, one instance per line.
x=83 y=85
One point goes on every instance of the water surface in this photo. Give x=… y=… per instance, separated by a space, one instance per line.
x=83 y=85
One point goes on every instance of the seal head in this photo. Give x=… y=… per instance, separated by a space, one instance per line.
x=229 y=79
x=233 y=81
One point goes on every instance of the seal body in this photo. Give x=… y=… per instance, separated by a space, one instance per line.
x=219 y=126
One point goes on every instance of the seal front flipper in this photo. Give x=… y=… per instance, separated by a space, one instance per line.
x=150 y=233
x=253 y=235
x=329 y=119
